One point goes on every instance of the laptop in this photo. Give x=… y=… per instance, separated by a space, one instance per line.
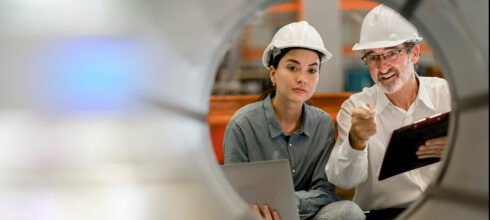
x=265 y=182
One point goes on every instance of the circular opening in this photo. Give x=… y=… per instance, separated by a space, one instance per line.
x=241 y=75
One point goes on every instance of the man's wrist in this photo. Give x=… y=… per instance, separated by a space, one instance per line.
x=356 y=142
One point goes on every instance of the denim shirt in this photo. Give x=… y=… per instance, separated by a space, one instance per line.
x=254 y=134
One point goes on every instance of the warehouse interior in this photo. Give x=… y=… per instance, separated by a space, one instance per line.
x=241 y=71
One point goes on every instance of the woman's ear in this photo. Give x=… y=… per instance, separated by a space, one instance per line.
x=272 y=75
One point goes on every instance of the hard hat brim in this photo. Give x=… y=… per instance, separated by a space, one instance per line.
x=265 y=57
x=382 y=44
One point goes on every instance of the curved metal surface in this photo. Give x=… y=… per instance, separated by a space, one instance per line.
x=88 y=152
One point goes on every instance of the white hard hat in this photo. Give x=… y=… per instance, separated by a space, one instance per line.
x=296 y=34
x=383 y=27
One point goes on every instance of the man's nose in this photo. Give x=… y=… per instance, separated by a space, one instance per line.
x=383 y=65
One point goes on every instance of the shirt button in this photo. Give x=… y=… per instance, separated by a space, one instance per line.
x=294 y=171
x=290 y=145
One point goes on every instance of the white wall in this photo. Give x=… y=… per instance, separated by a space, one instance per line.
x=325 y=16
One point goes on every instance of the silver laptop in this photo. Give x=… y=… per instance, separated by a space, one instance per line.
x=265 y=182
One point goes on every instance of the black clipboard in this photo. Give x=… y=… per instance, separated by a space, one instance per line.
x=400 y=154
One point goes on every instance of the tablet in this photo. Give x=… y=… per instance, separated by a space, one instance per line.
x=265 y=182
x=400 y=154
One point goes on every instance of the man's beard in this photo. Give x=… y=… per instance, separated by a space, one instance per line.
x=393 y=85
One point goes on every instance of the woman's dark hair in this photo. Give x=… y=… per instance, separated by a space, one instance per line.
x=274 y=61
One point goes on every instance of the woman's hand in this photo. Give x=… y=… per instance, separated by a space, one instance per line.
x=266 y=212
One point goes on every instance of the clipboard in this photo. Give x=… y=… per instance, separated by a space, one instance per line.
x=400 y=154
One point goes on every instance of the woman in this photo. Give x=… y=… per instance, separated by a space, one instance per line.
x=283 y=126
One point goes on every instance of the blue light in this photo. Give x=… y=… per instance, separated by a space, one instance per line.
x=93 y=73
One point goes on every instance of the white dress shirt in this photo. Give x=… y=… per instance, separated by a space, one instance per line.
x=348 y=167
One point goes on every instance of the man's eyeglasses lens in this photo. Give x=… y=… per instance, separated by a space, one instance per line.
x=388 y=56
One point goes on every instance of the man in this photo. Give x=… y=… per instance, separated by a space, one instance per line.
x=367 y=119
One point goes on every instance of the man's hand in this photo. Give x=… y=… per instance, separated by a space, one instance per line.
x=274 y=215
x=363 y=126
x=432 y=148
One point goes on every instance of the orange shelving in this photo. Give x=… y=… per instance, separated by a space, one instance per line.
x=355 y=5
x=294 y=6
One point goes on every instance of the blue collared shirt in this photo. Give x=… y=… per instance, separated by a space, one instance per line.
x=254 y=134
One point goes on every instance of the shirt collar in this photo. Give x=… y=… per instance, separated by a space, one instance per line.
x=307 y=124
x=381 y=99
x=422 y=95
x=270 y=117
x=274 y=126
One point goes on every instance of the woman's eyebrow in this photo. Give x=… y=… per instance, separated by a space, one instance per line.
x=293 y=60
x=297 y=62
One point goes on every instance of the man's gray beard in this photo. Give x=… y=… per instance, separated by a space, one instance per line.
x=387 y=88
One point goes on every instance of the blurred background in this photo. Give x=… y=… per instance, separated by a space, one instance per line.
x=338 y=22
